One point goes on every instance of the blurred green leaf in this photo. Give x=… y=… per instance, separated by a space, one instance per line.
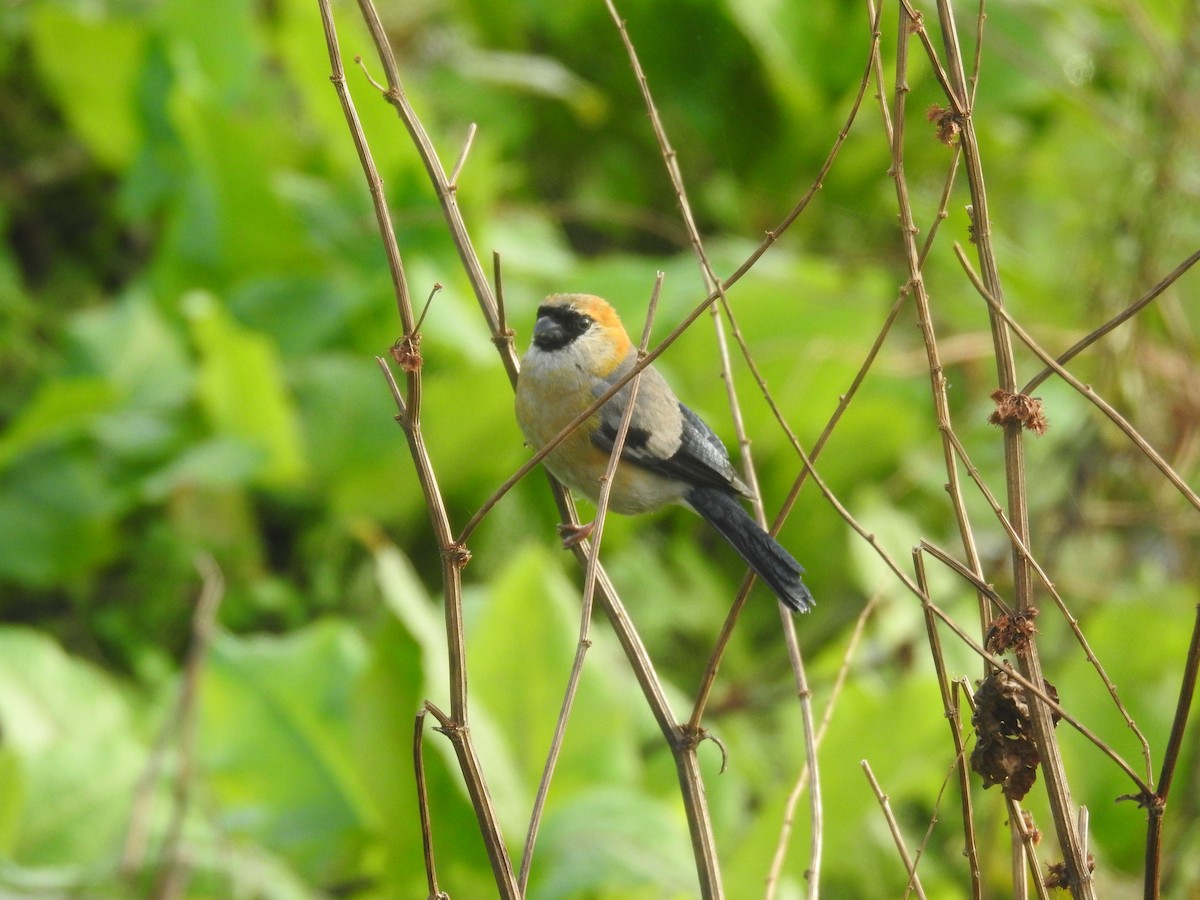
x=72 y=757
x=242 y=389
x=57 y=520
x=235 y=221
x=71 y=48
x=383 y=708
x=276 y=741
x=614 y=843
x=61 y=409
x=221 y=60
x=220 y=463
x=356 y=449
x=532 y=611
x=133 y=346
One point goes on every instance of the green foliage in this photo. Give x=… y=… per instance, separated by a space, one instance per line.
x=277 y=745
x=192 y=291
x=72 y=755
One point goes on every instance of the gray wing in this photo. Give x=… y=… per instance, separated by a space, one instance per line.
x=665 y=436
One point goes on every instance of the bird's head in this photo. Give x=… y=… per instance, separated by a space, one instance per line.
x=584 y=329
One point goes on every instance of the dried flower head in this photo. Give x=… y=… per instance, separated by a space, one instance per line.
x=1005 y=752
x=1031 y=829
x=1057 y=877
x=949 y=123
x=1011 y=631
x=1028 y=411
x=407 y=352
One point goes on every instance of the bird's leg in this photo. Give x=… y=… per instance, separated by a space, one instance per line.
x=573 y=535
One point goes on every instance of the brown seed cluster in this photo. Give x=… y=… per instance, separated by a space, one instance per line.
x=1021 y=408
x=1056 y=873
x=947 y=122
x=1011 y=631
x=1005 y=752
x=407 y=352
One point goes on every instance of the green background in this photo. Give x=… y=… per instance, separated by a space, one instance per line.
x=192 y=291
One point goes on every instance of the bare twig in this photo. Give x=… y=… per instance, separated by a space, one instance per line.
x=710 y=673
x=462 y=157
x=1017 y=818
x=503 y=335
x=1070 y=619
x=1132 y=433
x=1157 y=808
x=1116 y=321
x=453 y=557
x=1079 y=877
x=585 y=616
x=894 y=828
x=950 y=709
x=785 y=827
x=423 y=803
x=916 y=284
x=172 y=876
x=1039 y=691
x=180 y=729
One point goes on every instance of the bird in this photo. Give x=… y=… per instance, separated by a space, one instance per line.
x=578 y=350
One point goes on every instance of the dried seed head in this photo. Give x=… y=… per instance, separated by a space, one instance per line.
x=1028 y=411
x=407 y=352
x=1011 y=631
x=1005 y=752
x=949 y=123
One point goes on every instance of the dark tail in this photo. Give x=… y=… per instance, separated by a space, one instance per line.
x=762 y=553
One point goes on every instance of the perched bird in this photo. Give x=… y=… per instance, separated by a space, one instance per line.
x=579 y=350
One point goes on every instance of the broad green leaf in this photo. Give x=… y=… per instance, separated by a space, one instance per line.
x=12 y=799
x=383 y=707
x=57 y=519
x=521 y=649
x=276 y=743
x=72 y=758
x=44 y=693
x=408 y=600
x=235 y=221
x=218 y=463
x=223 y=60
x=242 y=390
x=357 y=451
x=614 y=843
x=59 y=410
x=131 y=344
x=92 y=62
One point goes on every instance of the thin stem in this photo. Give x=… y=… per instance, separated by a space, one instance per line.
x=462 y=157
x=453 y=556
x=894 y=828
x=710 y=673
x=1039 y=691
x=1079 y=876
x=839 y=682
x=180 y=728
x=1016 y=816
x=1120 y=318
x=1157 y=808
x=950 y=709
x=1072 y=622
x=1130 y=432
x=585 y=616
x=431 y=878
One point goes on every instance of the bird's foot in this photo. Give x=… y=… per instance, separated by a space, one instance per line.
x=573 y=535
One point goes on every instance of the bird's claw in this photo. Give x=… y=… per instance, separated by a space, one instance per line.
x=573 y=535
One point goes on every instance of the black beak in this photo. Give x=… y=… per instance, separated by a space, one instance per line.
x=548 y=334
